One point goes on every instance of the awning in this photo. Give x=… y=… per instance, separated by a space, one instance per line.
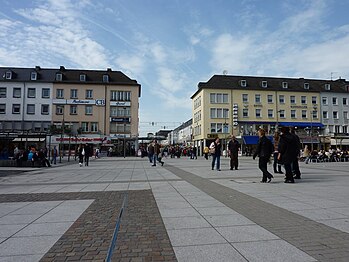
x=301 y=124
x=253 y=140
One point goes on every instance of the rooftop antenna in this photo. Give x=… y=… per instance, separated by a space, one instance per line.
x=332 y=75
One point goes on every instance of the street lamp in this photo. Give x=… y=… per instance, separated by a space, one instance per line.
x=311 y=127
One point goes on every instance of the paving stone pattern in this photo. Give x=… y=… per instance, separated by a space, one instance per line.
x=322 y=242
x=142 y=235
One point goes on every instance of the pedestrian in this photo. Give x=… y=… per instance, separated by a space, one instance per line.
x=150 y=150
x=288 y=152
x=295 y=165
x=161 y=155
x=206 y=150
x=233 y=151
x=156 y=153
x=87 y=154
x=276 y=164
x=306 y=154
x=82 y=152
x=215 y=150
x=264 y=151
x=54 y=154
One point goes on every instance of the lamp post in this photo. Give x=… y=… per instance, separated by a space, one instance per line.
x=124 y=132
x=311 y=127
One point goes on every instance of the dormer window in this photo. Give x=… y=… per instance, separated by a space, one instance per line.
x=82 y=77
x=105 y=78
x=243 y=83
x=327 y=87
x=306 y=85
x=284 y=85
x=59 y=77
x=33 y=76
x=264 y=84
x=347 y=88
x=8 y=75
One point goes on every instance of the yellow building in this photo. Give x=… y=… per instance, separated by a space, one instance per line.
x=240 y=105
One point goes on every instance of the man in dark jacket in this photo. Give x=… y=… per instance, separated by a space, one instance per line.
x=233 y=147
x=295 y=166
x=288 y=152
x=264 y=151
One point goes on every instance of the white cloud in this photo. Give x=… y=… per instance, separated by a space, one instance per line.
x=131 y=64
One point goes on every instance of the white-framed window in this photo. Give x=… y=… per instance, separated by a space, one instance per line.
x=17 y=92
x=59 y=77
x=334 y=101
x=314 y=114
x=8 y=75
x=30 y=109
x=59 y=110
x=16 y=109
x=327 y=87
x=303 y=100
x=88 y=110
x=94 y=126
x=219 y=113
x=244 y=98
x=217 y=128
x=197 y=102
x=218 y=98
x=345 y=115
x=284 y=85
x=73 y=93
x=293 y=100
x=105 y=78
x=2 y=108
x=345 y=101
x=325 y=114
x=293 y=114
x=306 y=86
x=243 y=83
x=337 y=129
x=120 y=128
x=3 y=92
x=324 y=100
x=314 y=100
x=89 y=94
x=59 y=93
x=120 y=111
x=257 y=98
x=120 y=96
x=345 y=129
x=264 y=84
x=73 y=109
x=270 y=99
x=304 y=114
x=245 y=112
x=258 y=113
x=45 y=109
x=31 y=92
x=82 y=77
x=45 y=93
x=33 y=76
x=84 y=126
x=281 y=99
x=335 y=114
x=270 y=113
x=282 y=113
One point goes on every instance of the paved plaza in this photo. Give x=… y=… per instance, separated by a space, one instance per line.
x=183 y=211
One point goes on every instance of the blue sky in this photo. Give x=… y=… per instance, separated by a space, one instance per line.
x=170 y=46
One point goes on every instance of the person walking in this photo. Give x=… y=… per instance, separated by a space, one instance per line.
x=82 y=153
x=306 y=154
x=54 y=155
x=156 y=153
x=288 y=152
x=206 y=151
x=216 y=149
x=233 y=151
x=276 y=164
x=264 y=151
x=87 y=154
x=295 y=165
x=150 y=152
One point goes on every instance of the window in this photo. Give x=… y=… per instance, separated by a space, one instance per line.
x=73 y=93
x=31 y=109
x=345 y=101
x=282 y=113
x=45 y=109
x=258 y=113
x=337 y=129
x=45 y=93
x=2 y=108
x=84 y=126
x=345 y=129
x=219 y=113
x=218 y=98
x=264 y=84
x=94 y=126
x=59 y=77
x=8 y=75
x=31 y=93
x=327 y=87
x=89 y=94
x=258 y=99
x=293 y=114
x=314 y=100
x=16 y=109
x=82 y=77
x=334 y=101
x=270 y=113
x=243 y=83
x=59 y=110
x=281 y=99
x=244 y=112
x=303 y=100
x=17 y=92
x=120 y=111
x=325 y=115
x=33 y=76
x=120 y=96
x=314 y=114
x=270 y=98
x=245 y=98
x=335 y=114
x=306 y=85
x=105 y=78
x=217 y=128
x=324 y=101
x=2 y=92
x=59 y=93
x=304 y=113
x=88 y=110
x=292 y=99
x=284 y=85
x=73 y=110
x=345 y=115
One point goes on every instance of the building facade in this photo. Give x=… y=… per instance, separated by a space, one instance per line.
x=240 y=105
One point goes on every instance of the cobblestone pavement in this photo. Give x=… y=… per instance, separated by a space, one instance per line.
x=183 y=211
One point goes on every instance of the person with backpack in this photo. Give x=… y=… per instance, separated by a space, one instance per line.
x=264 y=150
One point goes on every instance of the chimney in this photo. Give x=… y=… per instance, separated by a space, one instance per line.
x=37 y=68
x=61 y=68
x=109 y=69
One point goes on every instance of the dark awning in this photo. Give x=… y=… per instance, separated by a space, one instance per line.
x=253 y=140
x=301 y=124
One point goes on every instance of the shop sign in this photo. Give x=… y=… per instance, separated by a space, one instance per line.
x=120 y=119
x=120 y=103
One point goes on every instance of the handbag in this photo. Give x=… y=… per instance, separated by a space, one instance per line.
x=212 y=149
x=83 y=152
